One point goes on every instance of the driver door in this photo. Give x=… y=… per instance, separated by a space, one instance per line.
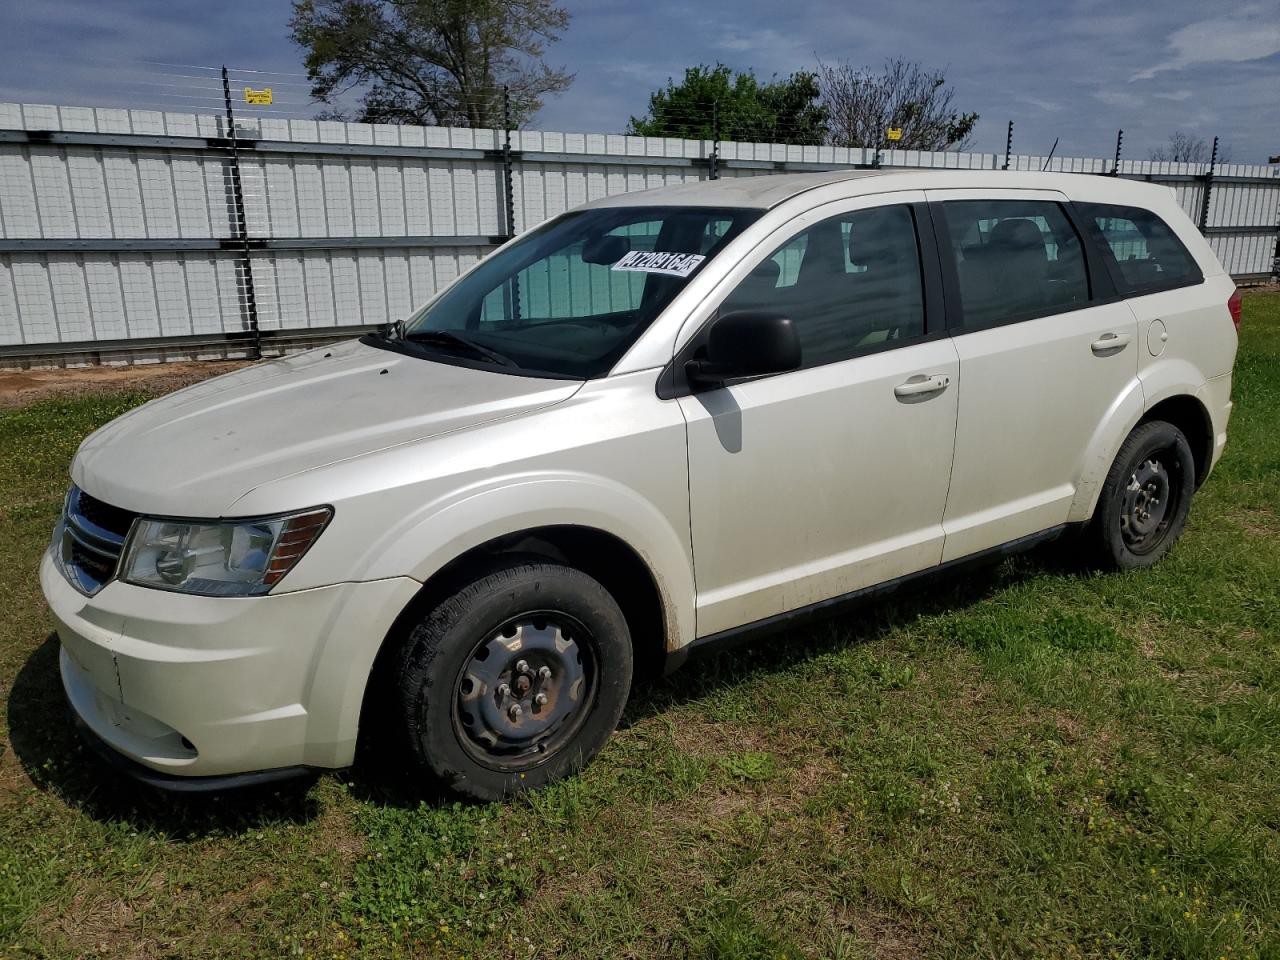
x=817 y=482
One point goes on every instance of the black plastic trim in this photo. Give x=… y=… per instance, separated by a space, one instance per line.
x=836 y=605
x=410 y=349
x=225 y=143
x=1102 y=282
x=175 y=783
x=931 y=262
x=946 y=266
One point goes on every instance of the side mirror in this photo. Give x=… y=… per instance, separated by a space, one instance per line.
x=605 y=250
x=743 y=345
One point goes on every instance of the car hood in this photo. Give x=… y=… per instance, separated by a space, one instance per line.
x=199 y=450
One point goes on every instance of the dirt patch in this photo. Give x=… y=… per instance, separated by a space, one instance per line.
x=13 y=778
x=879 y=934
x=1260 y=288
x=338 y=833
x=1258 y=521
x=21 y=387
x=97 y=924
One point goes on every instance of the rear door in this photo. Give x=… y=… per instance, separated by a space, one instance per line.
x=1045 y=349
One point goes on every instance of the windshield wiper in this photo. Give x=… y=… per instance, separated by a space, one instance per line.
x=447 y=338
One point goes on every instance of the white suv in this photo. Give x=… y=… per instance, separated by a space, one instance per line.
x=648 y=425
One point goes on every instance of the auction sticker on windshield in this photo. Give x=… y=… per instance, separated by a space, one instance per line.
x=652 y=261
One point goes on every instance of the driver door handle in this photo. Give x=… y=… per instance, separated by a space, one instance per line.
x=1110 y=343
x=921 y=385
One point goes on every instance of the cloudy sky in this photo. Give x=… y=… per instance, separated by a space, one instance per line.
x=1074 y=69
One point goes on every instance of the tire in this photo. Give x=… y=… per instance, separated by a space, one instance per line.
x=526 y=630
x=1145 y=499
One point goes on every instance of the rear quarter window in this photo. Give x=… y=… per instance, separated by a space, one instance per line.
x=1145 y=254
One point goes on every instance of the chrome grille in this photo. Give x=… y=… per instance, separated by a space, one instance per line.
x=92 y=537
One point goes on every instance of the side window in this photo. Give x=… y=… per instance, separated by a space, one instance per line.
x=1015 y=259
x=848 y=283
x=1148 y=255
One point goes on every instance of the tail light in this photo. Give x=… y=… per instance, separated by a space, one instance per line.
x=1233 y=304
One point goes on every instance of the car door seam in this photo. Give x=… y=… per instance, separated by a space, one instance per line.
x=955 y=433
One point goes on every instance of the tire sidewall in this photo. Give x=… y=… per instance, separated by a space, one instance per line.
x=440 y=647
x=1141 y=444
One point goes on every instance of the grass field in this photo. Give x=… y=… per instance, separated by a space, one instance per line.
x=1028 y=762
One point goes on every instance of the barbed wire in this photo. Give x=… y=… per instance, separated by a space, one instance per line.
x=174 y=86
x=170 y=87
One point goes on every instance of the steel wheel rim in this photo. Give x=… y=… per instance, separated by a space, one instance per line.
x=1150 y=501
x=543 y=664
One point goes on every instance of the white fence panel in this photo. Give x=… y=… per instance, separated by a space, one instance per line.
x=121 y=226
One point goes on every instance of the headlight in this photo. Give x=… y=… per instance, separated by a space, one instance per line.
x=217 y=559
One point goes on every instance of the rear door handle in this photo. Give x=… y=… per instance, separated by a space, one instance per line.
x=921 y=386
x=1110 y=343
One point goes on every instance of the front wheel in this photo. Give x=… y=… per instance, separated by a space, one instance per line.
x=1146 y=498
x=516 y=680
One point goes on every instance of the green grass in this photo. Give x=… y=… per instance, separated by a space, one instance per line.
x=1028 y=762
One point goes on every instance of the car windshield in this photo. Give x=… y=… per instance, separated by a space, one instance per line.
x=569 y=298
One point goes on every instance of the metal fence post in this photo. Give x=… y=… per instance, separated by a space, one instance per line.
x=509 y=193
x=1115 y=170
x=713 y=161
x=1008 y=146
x=241 y=225
x=507 y=186
x=1208 y=188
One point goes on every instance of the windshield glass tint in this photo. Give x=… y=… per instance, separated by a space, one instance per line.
x=572 y=296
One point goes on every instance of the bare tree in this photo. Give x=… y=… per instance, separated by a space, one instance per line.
x=862 y=105
x=1188 y=148
x=431 y=61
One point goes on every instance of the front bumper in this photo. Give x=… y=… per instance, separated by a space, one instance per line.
x=176 y=783
x=191 y=686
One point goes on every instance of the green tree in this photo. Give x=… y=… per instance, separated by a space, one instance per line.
x=739 y=105
x=431 y=61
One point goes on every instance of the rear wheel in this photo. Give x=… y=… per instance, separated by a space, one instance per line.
x=516 y=680
x=1146 y=498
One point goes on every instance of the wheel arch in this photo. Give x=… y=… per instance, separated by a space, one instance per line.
x=616 y=564
x=610 y=530
x=603 y=555
x=1186 y=412
x=1142 y=402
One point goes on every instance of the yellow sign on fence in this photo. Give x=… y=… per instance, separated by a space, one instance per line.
x=895 y=133
x=261 y=98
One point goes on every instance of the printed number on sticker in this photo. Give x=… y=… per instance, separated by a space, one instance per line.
x=671 y=264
